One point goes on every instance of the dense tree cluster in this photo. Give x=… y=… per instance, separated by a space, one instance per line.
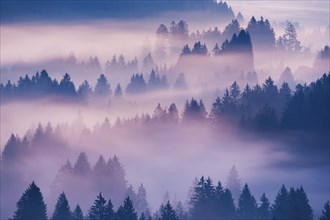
x=207 y=201
x=262 y=34
x=267 y=107
x=106 y=176
x=119 y=65
x=240 y=43
x=41 y=85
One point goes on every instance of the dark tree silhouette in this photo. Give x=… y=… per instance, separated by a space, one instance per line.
x=280 y=207
x=247 y=205
x=326 y=212
x=31 y=205
x=62 y=208
x=85 y=90
x=167 y=212
x=98 y=210
x=77 y=214
x=66 y=86
x=263 y=209
x=127 y=211
x=137 y=85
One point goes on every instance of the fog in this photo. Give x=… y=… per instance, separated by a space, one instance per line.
x=164 y=154
x=162 y=157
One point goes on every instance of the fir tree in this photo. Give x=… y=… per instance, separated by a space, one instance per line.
x=263 y=209
x=167 y=212
x=31 y=205
x=247 y=205
x=126 y=211
x=98 y=209
x=62 y=208
x=280 y=207
x=77 y=214
x=326 y=212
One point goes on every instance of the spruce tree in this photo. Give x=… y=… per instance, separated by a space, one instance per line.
x=247 y=205
x=62 y=208
x=98 y=209
x=326 y=212
x=31 y=205
x=77 y=214
x=126 y=211
x=280 y=207
x=109 y=212
x=167 y=212
x=263 y=209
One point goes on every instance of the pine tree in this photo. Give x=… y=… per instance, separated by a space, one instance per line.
x=263 y=209
x=326 y=212
x=126 y=211
x=280 y=207
x=77 y=214
x=31 y=205
x=109 y=213
x=98 y=209
x=167 y=212
x=62 y=208
x=247 y=205
x=215 y=113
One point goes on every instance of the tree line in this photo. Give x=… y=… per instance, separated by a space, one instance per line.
x=42 y=85
x=207 y=202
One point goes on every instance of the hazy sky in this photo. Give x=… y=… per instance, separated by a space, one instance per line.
x=309 y=13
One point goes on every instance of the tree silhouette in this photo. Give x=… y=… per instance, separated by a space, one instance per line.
x=62 y=208
x=167 y=212
x=77 y=214
x=98 y=211
x=326 y=212
x=127 y=211
x=263 y=209
x=280 y=207
x=84 y=90
x=247 y=205
x=66 y=86
x=31 y=204
x=102 y=87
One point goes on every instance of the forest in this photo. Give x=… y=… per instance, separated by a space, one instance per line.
x=207 y=200
x=164 y=110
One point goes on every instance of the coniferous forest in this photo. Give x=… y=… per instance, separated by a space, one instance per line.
x=165 y=110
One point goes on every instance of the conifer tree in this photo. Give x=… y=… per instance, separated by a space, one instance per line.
x=126 y=211
x=247 y=205
x=263 y=209
x=326 y=212
x=167 y=212
x=77 y=214
x=31 y=205
x=62 y=208
x=98 y=209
